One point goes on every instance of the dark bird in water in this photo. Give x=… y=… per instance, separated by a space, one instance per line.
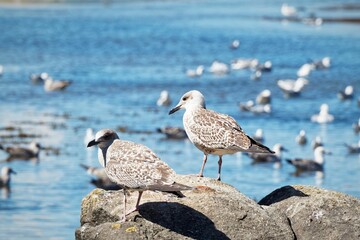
x=101 y=180
x=16 y=152
x=347 y=93
x=134 y=167
x=310 y=165
x=353 y=148
x=173 y=132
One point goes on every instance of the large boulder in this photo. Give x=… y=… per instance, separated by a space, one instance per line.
x=214 y=210
x=315 y=213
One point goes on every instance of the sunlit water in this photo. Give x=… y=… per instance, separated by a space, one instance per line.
x=121 y=56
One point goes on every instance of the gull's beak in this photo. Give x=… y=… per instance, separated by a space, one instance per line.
x=92 y=143
x=175 y=109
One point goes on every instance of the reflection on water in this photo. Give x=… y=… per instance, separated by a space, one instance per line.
x=121 y=56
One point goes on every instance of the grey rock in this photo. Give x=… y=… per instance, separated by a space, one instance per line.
x=214 y=210
x=315 y=213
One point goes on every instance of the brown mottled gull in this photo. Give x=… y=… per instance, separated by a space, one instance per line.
x=134 y=166
x=212 y=132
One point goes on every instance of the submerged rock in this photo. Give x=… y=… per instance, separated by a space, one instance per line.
x=216 y=210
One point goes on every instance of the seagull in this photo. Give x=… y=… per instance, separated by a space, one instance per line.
x=323 y=63
x=347 y=93
x=244 y=63
x=23 y=153
x=235 y=44
x=173 y=132
x=304 y=165
x=317 y=142
x=292 y=88
x=134 y=167
x=212 y=132
x=259 y=135
x=356 y=126
x=219 y=68
x=288 y=11
x=39 y=78
x=196 y=72
x=353 y=148
x=5 y=177
x=324 y=116
x=268 y=157
x=246 y=107
x=164 y=99
x=101 y=180
x=51 y=85
x=264 y=97
x=305 y=70
x=301 y=139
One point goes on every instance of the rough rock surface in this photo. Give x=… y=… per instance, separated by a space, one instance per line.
x=216 y=210
x=315 y=213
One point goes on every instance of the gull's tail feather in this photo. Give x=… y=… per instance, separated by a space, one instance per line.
x=257 y=147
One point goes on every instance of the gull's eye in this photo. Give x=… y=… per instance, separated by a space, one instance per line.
x=184 y=98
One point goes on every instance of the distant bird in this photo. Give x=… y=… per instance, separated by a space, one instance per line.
x=256 y=75
x=259 y=135
x=219 y=68
x=198 y=72
x=305 y=70
x=246 y=107
x=301 y=139
x=51 y=85
x=317 y=142
x=164 y=99
x=134 y=167
x=323 y=63
x=324 y=116
x=353 y=148
x=268 y=157
x=305 y=165
x=23 y=153
x=292 y=88
x=347 y=93
x=261 y=109
x=313 y=20
x=101 y=180
x=212 y=132
x=265 y=67
x=5 y=177
x=235 y=44
x=244 y=63
x=173 y=132
x=356 y=126
x=39 y=78
x=264 y=97
x=89 y=135
x=288 y=11
x=1 y=70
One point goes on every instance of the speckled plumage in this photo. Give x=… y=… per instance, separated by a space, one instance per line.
x=212 y=132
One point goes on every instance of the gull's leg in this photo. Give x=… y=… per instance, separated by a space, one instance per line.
x=124 y=211
x=219 y=172
x=202 y=167
x=137 y=204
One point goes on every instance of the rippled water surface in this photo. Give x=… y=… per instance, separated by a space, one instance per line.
x=120 y=56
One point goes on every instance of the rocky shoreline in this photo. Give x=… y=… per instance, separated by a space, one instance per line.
x=216 y=210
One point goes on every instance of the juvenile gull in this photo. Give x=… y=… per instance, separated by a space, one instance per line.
x=101 y=180
x=212 y=132
x=55 y=85
x=306 y=165
x=5 y=177
x=173 y=132
x=134 y=167
x=23 y=153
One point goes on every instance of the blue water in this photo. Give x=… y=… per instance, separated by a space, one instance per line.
x=120 y=56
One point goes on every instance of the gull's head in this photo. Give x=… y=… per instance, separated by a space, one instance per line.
x=319 y=154
x=324 y=108
x=190 y=100
x=349 y=90
x=103 y=138
x=278 y=149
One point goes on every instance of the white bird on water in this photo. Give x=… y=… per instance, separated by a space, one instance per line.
x=305 y=70
x=219 y=68
x=324 y=116
x=197 y=72
x=292 y=87
x=164 y=99
x=134 y=167
x=51 y=85
x=288 y=11
x=212 y=132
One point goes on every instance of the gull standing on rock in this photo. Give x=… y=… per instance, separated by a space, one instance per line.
x=134 y=167
x=212 y=132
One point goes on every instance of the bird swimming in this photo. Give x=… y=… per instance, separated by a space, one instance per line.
x=212 y=132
